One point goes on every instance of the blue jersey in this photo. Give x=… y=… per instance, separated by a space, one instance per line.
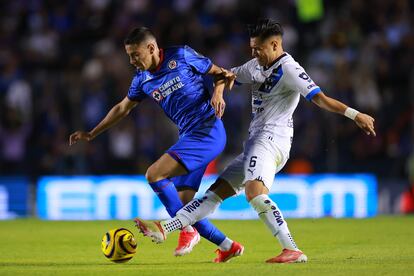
x=177 y=86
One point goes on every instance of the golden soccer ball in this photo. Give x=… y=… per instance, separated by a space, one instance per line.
x=119 y=245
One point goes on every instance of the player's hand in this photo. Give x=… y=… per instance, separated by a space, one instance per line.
x=79 y=135
x=218 y=103
x=230 y=78
x=366 y=123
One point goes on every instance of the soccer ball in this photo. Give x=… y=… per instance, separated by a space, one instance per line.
x=119 y=245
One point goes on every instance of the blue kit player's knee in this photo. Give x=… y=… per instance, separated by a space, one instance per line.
x=191 y=180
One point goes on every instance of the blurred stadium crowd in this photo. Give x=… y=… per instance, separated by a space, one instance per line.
x=63 y=66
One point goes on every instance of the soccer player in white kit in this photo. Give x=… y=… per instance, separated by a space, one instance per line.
x=277 y=81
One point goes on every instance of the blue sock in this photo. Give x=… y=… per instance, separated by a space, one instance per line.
x=209 y=231
x=168 y=195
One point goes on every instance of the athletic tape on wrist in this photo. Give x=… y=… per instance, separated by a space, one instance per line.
x=351 y=113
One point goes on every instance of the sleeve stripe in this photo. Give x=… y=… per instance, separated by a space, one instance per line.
x=313 y=93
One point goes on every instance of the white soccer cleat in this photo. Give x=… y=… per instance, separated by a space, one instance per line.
x=152 y=229
x=186 y=242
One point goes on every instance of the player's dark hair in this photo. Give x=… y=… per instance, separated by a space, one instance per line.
x=264 y=28
x=138 y=35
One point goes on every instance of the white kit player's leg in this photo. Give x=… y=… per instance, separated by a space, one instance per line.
x=192 y=212
x=195 y=210
x=271 y=215
x=263 y=159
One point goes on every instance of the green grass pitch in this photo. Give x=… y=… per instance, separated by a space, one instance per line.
x=377 y=246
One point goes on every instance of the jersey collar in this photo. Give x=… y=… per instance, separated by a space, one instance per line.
x=275 y=61
x=160 y=63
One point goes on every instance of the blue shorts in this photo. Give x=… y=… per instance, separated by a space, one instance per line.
x=191 y=180
x=196 y=149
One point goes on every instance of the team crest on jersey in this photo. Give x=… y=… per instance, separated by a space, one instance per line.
x=172 y=64
x=157 y=95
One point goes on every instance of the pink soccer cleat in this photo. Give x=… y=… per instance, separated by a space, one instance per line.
x=186 y=242
x=225 y=256
x=289 y=256
x=152 y=229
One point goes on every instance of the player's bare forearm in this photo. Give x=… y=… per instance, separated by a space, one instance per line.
x=219 y=87
x=111 y=119
x=363 y=121
x=217 y=101
x=117 y=112
x=328 y=103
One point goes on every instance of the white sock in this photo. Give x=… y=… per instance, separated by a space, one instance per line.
x=226 y=244
x=198 y=208
x=171 y=225
x=195 y=210
x=188 y=228
x=270 y=214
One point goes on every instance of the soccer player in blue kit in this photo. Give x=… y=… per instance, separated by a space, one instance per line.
x=173 y=78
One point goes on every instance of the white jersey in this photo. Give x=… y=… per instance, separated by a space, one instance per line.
x=275 y=93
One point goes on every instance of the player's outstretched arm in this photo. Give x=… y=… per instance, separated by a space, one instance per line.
x=117 y=112
x=364 y=121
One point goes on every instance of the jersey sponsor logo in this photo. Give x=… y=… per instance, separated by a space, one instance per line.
x=290 y=122
x=157 y=95
x=258 y=110
x=170 y=86
x=311 y=86
x=305 y=77
x=172 y=64
x=257 y=102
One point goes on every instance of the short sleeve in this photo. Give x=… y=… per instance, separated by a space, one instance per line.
x=135 y=93
x=244 y=72
x=198 y=62
x=298 y=80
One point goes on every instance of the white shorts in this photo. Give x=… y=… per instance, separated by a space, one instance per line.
x=263 y=156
